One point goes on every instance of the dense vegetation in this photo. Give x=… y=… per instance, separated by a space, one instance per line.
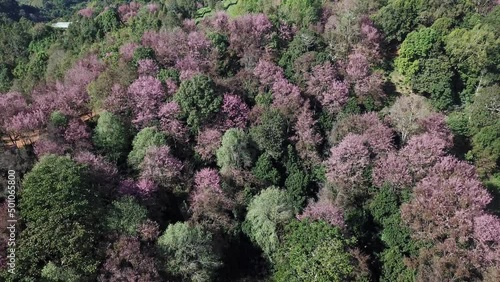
x=252 y=140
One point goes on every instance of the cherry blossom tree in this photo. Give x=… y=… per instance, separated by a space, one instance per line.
x=159 y=165
x=324 y=209
x=127 y=50
x=307 y=137
x=378 y=136
x=147 y=67
x=345 y=168
x=128 y=261
x=248 y=36
x=170 y=123
x=210 y=207
x=322 y=83
x=235 y=111
x=43 y=147
x=412 y=163
x=77 y=134
x=446 y=207
x=128 y=11
x=146 y=93
x=86 y=12
x=208 y=141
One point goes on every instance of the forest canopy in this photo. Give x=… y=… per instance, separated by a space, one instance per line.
x=251 y=140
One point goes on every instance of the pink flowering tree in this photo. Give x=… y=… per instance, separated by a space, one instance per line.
x=234 y=111
x=378 y=135
x=11 y=104
x=86 y=12
x=170 y=123
x=127 y=50
x=286 y=96
x=307 y=137
x=346 y=166
x=366 y=83
x=408 y=166
x=446 y=213
x=323 y=84
x=160 y=166
x=44 y=146
x=77 y=134
x=196 y=55
x=142 y=188
x=210 y=207
x=323 y=209
x=118 y=102
x=249 y=34
x=147 y=67
x=128 y=11
x=207 y=143
x=147 y=94
x=102 y=171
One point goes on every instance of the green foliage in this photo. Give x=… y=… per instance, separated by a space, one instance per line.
x=55 y=273
x=100 y=88
x=234 y=151
x=142 y=53
x=189 y=252
x=473 y=52
x=305 y=41
x=125 y=215
x=265 y=171
x=297 y=181
x=198 y=100
x=398 y=18
x=5 y=78
x=107 y=21
x=394 y=268
x=458 y=123
x=170 y=73
x=57 y=201
x=300 y=12
x=145 y=139
x=183 y=8
x=111 y=136
x=384 y=204
x=423 y=66
x=435 y=77
x=484 y=109
x=423 y=43
x=270 y=134
x=267 y=213
x=58 y=119
x=314 y=251
x=486 y=149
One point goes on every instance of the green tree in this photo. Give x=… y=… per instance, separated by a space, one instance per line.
x=57 y=201
x=234 y=151
x=270 y=133
x=475 y=53
x=198 y=100
x=265 y=171
x=267 y=213
x=52 y=272
x=314 y=251
x=111 y=136
x=297 y=180
x=146 y=138
x=300 y=12
x=398 y=18
x=125 y=216
x=189 y=252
